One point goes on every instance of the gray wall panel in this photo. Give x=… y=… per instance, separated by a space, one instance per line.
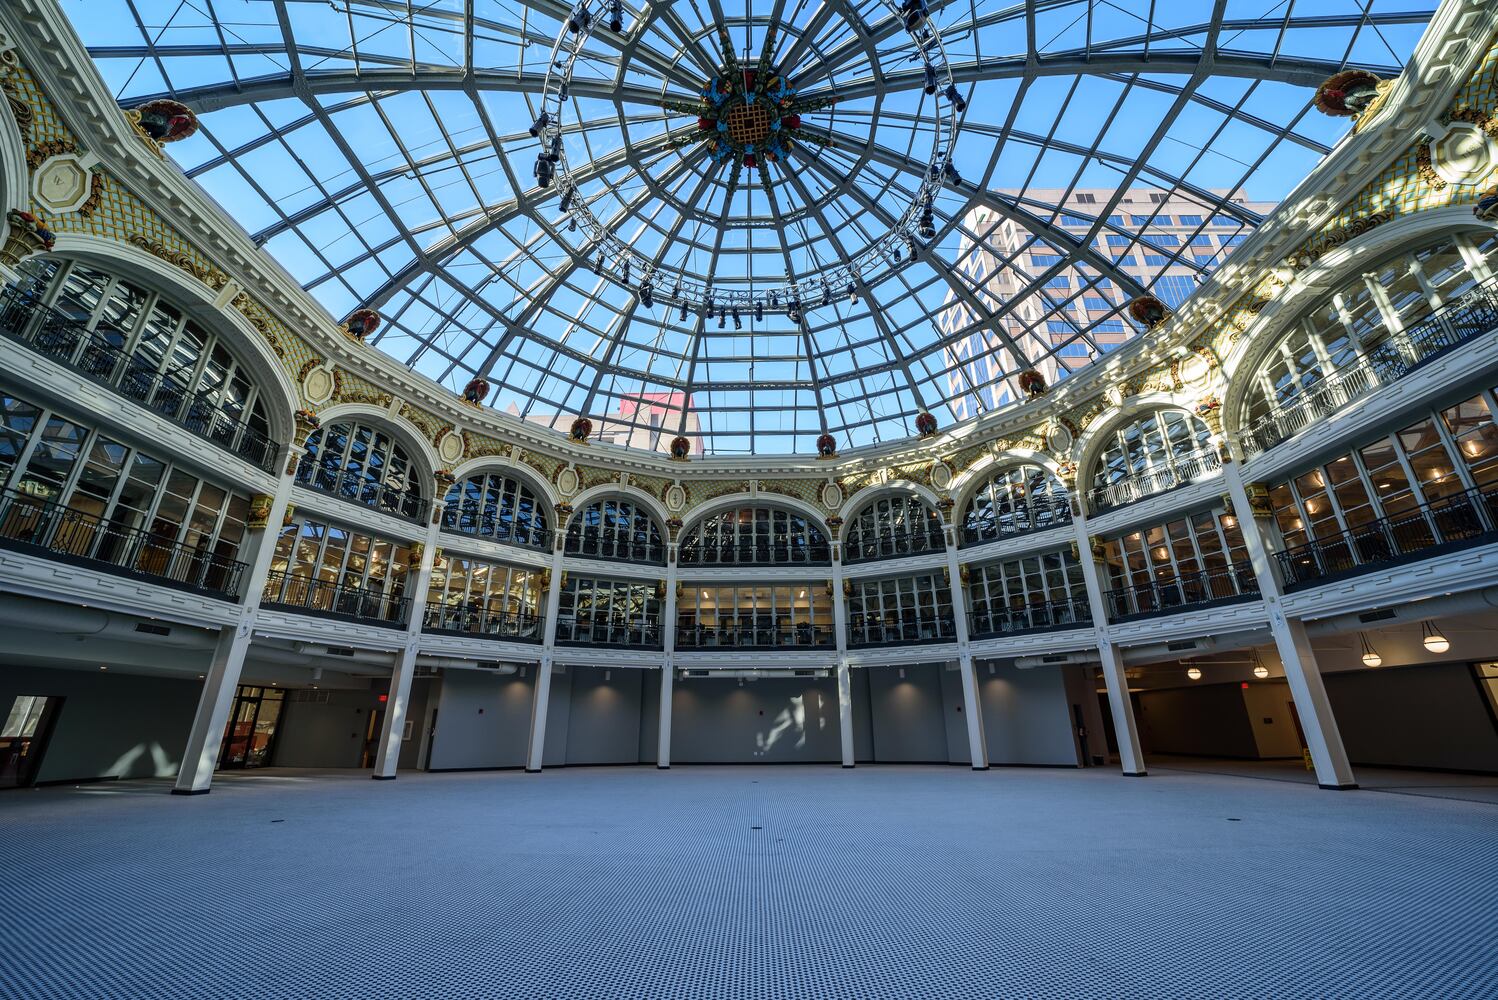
x=483 y=720
x=714 y=720
x=1027 y=716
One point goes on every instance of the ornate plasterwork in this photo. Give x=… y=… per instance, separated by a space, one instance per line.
x=353 y=389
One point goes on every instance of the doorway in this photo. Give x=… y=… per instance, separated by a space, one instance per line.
x=23 y=740
x=251 y=732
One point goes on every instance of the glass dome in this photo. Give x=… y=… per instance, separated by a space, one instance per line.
x=749 y=225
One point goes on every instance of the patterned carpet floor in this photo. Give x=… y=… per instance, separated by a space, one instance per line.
x=707 y=882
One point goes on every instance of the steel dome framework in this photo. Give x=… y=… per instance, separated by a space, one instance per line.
x=381 y=151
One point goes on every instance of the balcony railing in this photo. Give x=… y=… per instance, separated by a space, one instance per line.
x=801 y=635
x=467 y=520
x=617 y=546
x=1182 y=471
x=871 y=630
x=486 y=623
x=321 y=597
x=102 y=358
x=579 y=631
x=1468 y=518
x=355 y=487
x=29 y=523
x=1474 y=314
x=1053 y=512
x=1182 y=593
x=782 y=552
x=893 y=545
x=985 y=624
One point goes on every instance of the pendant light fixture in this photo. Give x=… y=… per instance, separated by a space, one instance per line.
x=1260 y=671
x=1432 y=637
x=1370 y=655
x=1195 y=673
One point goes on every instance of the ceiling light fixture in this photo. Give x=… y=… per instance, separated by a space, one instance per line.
x=1370 y=655
x=1195 y=673
x=1432 y=638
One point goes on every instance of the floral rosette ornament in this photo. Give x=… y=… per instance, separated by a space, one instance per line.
x=27 y=235
x=476 y=391
x=362 y=323
x=1347 y=94
x=1032 y=383
x=681 y=448
x=581 y=430
x=826 y=446
x=925 y=424
x=1148 y=311
x=748 y=117
x=1486 y=209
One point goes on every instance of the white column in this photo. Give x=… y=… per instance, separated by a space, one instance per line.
x=845 y=709
x=977 y=744
x=844 y=677
x=542 y=697
x=1301 y=671
x=393 y=731
x=200 y=758
x=663 y=743
x=668 y=666
x=1125 y=729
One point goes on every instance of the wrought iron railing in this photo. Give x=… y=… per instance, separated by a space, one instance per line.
x=355 y=487
x=28 y=522
x=1466 y=518
x=309 y=594
x=985 y=624
x=1052 y=512
x=488 y=623
x=466 y=519
x=893 y=545
x=1181 y=593
x=1181 y=471
x=782 y=552
x=102 y=358
x=584 y=631
x=872 y=630
x=763 y=635
x=617 y=546
x=1454 y=324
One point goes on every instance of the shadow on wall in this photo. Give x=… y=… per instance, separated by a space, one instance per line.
x=772 y=719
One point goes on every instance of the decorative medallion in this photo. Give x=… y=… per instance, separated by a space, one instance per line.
x=832 y=496
x=1059 y=439
x=63 y=183
x=748 y=116
x=676 y=498
x=450 y=447
x=940 y=475
x=317 y=383
x=567 y=480
x=1465 y=155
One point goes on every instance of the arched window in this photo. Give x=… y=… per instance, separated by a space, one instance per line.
x=891 y=526
x=747 y=535
x=142 y=347
x=1154 y=452
x=1014 y=501
x=1368 y=333
x=613 y=528
x=497 y=506
x=365 y=465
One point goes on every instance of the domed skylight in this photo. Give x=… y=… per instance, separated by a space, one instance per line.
x=382 y=152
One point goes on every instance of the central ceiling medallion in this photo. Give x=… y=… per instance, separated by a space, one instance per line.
x=749 y=122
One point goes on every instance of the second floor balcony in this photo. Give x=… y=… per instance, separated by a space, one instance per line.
x=101 y=357
x=893 y=544
x=986 y=623
x=1454 y=522
x=1186 y=592
x=761 y=634
x=356 y=486
x=483 y=622
x=872 y=630
x=310 y=595
x=615 y=633
x=593 y=542
x=32 y=524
